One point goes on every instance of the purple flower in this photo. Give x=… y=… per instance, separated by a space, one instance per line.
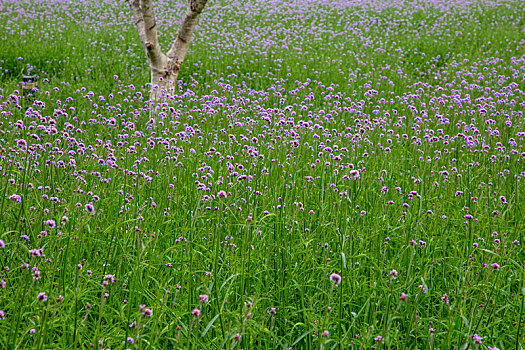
x=222 y=194
x=495 y=266
x=15 y=198
x=50 y=223
x=272 y=311
x=42 y=297
x=325 y=334
x=90 y=208
x=110 y=278
x=2 y=243
x=393 y=274
x=444 y=298
x=477 y=339
x=196 y=312
x=335 y=278
x=203 y=298
x=403 y=297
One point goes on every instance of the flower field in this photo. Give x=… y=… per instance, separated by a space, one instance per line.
x=330 y=175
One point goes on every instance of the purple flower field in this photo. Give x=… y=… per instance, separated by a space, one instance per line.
x=329 y=175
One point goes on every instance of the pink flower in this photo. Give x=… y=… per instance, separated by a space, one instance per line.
x=403 y=297
x=196 y=312
x=335 y=278
x=42 y=297
x=477 y=339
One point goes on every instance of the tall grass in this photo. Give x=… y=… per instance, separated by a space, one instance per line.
x=380 y=142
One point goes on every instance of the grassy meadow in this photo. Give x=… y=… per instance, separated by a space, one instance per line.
x=330 y=175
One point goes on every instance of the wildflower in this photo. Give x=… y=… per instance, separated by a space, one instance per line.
x=492 y=348
x=2 y=315
x=325 y=334
x=15 y=198
x=431 y=330
x=2 y=243
x=131 y=340
x=90 y=208
x=393 y=274
x=148 y=312
x=379 y=339
x=203 y=298
x=237 y=337
x=495 y=266
x=272 y=311
x=444 y=298
x=403 y=297
x=196 y=312
x=222 y=194
x=42 y=297
x=335 y=278
x=110 y=278
x=477 y=339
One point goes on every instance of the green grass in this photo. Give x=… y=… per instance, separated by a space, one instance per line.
x=281 y=121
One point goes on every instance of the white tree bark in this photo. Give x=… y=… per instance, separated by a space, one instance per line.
x=164 y=68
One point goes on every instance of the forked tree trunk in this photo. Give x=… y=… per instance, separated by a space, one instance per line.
x=164 y=68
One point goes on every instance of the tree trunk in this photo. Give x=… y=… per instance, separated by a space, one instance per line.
x=164 y=68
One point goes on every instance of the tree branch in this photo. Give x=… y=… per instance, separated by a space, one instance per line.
x=180 y=47
x=138 y=19
x=152 y=45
